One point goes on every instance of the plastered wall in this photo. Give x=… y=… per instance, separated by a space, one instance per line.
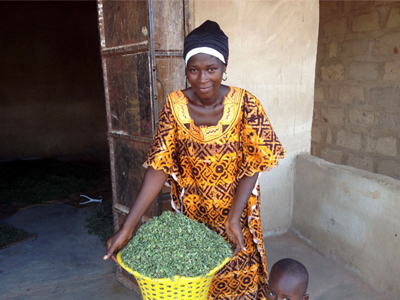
x=272 y=54
x=357 y=105
x=352 y=216
x=51 y=88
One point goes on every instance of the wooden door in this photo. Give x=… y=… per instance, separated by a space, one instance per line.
x=129 y=77
x=170 y=26
x=132 y=66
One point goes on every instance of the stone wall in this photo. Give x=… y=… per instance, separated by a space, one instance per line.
x=357 y=87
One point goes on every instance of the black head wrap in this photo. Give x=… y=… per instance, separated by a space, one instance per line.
x=207 y=35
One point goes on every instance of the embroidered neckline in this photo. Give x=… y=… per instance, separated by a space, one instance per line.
x=206 y=133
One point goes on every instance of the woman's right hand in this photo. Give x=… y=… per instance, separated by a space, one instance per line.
x=151 y=185
x=116 y=243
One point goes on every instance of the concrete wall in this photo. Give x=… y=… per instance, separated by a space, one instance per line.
x=357 y=106
x=272 y=54
x=352 y=216
x=51 y=89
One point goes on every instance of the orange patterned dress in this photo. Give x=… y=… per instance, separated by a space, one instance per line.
x=205 y=165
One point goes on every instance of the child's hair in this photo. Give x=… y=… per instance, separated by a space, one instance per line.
x=293 y=268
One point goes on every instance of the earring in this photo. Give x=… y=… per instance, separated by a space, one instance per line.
x=226 y=76
x=187 y=84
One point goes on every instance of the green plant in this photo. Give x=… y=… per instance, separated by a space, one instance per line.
x=101 y=222
x=174 y=245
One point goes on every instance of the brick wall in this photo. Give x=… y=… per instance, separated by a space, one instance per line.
x=357 y=87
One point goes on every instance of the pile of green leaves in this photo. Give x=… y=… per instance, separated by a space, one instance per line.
x=174 y=245
x=10 y=235
x=37 y=181
x=101 y=222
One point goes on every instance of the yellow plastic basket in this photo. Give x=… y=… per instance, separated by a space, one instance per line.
x=194 y=288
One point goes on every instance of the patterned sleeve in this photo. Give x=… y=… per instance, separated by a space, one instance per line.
x=161 y=154
x=261 y=147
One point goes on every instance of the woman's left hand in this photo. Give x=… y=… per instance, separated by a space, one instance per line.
x=232 y=223
x=235 y=235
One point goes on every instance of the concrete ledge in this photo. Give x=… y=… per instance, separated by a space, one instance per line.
x=352 y=216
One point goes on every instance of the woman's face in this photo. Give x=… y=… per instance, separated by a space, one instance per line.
x=204 y=73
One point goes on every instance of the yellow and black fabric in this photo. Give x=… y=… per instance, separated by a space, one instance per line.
x=205 y=164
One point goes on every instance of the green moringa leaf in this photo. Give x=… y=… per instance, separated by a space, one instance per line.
x=174 y=245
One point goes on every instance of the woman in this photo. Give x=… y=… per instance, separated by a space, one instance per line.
x=211 y=144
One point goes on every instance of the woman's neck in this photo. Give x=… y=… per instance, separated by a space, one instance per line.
x=211 y=102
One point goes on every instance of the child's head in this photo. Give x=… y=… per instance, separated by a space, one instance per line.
x=288 y=280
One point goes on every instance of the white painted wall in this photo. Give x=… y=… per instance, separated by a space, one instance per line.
x=273 y=49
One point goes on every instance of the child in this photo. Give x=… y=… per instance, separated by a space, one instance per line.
x=288 y=280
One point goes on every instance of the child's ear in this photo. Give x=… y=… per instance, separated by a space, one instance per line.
x=305 y=297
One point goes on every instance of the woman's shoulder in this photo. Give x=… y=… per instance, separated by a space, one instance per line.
x=241 y=90
x=176 y=98
x=243 y=94
x=176 y=94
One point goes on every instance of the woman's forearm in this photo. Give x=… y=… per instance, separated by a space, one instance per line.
x=152 y=184
x=243 y=192
x=232 y=223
